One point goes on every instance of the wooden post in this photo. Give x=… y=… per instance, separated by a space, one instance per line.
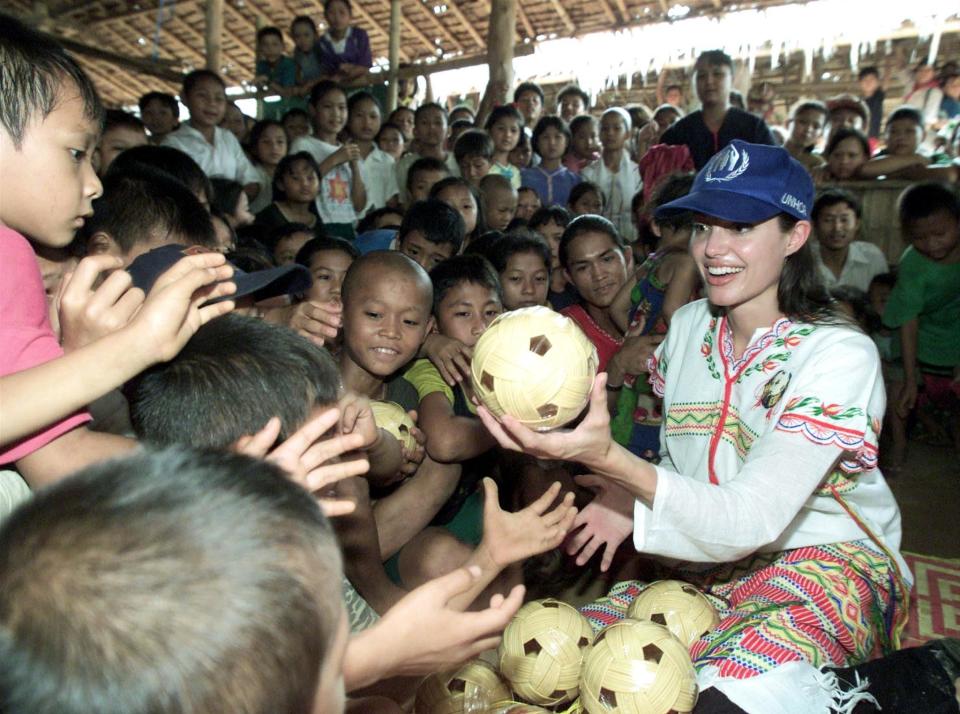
x=394 y=56
x=213 y=34
x=503 y=21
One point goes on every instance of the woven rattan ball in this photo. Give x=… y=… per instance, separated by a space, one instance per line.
x=677 y=605
x=542 y=650
x=392 y=417
x=472 y=689
x=535 y=365
x=518 y=709
x=637 y=667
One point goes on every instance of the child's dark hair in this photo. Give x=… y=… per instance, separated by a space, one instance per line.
x=140 y=203
x=323 y=88
x=573 y=90
x=505 y=111
x=664 y=109
x=483 y=244
x=423 y=108
x=463 y=124
x=549 y=122
x=449 y=182
x=470 y=268
x=285 y=166
x=303 y=20
x=398 y=110
x=550 y=214
x=867 y=71
x=369 y=221
x=670 y=188
x=167 y=100
x=267 y=31
x=279 y=233
x=324 y=243
x=579 y=121
x=473 y=142
x=587 y=224
x=34 y=73
x=905 y=113
x=114 y=118
x=384 y=127
x=801 y=294
x=170 y=161
x=226 y=195
x=145 y=583
x=924 y=199
x=425 y=163
x=583 y=188
x=232 y=376
x=435 y=221
x=831 y=197
x=194 y=78
x=362 y=96
x=295 y=112
x=495 y=182
x=328 y=3
x=219 y=215
x=856 y=299
x=259 y=128
x=525 y=87
x=714 y=58
x=844 y=133
x=811 y=105
x=518 y=243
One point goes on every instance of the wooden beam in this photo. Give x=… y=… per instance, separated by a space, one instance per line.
x=608 y=11
x=188 y=54
x=502 y=25
x=213 y=34
x=624 y=14
x=436 y=22
x=394 y=55
x=180 y=8
x=525 y=21
x=664 y=6
x=467 y=25
x=421 y=35
x=132 y=63
x=565 y=16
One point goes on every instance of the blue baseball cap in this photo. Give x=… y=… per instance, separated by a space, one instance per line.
x=748 y=183
x=262 y=284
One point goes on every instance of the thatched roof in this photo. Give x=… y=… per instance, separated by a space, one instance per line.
x=166 y=37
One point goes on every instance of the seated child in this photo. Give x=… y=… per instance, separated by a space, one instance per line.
x=925 y=303
x=121 y=131
x=174 y=568
x=342 y=192
x=140 y=210
x=847 y=152
x=550 y=223
x=550 y=178
x=430 y=233
x=429 y=132
x=666 y=281
x=268 y=144
x=344 y=49
x=160 y=113
x=296 y=186
x=459 y=195
x=390 y=140
x=806 y=128
x=584 y=143
x=230 y=200
x=528 y=203
x=841 y=258
x=377 y=166
x=902 y=158
x=422 y=176
x=473 y=151
x=586 y=198
x=276 y=74
x=504 y=126
x=522 y=263
x=216 y=149
x=498 y=199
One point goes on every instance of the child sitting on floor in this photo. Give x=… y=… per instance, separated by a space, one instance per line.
x=276 y=74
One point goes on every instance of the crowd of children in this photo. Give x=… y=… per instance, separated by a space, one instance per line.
x=195 y=319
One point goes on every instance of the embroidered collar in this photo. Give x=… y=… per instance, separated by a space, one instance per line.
x=753 y=349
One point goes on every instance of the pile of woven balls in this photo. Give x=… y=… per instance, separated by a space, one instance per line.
x=549 y=660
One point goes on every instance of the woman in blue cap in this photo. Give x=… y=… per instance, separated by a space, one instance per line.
x=767 y=493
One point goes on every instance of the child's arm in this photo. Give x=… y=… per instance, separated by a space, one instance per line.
x=513 y=537
x=382 y=448
x=451 y=438
x=620 y=307
x=423 y=633
x=907 y=398
x=681 y=283
x=172 y=313
x=358 y=191
x=70 y=452
x=451 y=357
x=889 y=165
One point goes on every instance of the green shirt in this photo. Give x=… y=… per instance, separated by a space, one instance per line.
x=930 y=292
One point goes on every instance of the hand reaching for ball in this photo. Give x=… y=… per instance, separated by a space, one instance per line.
x=605 y=522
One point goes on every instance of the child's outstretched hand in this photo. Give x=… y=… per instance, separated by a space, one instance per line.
x=606 y=521
x=356 y=417
x=513 y=537
x=308 y=458
x=317 y=321
x=89 y=311
x=451 y=358
x=176 y=306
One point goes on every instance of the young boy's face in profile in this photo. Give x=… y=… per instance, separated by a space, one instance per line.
x=903 y=137
x=386 y=318
x=56 y=153
x=424 y=253
x=421 y=183
x=936 y=236
x=328 y=268
x=466 y=311
x=499 y=207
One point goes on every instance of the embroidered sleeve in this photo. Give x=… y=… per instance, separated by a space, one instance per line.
x=657 y=369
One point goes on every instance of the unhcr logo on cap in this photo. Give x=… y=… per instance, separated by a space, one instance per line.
x=727 y=165
x=795 y=203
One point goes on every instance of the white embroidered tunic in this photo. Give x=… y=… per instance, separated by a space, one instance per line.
x=766 y=452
